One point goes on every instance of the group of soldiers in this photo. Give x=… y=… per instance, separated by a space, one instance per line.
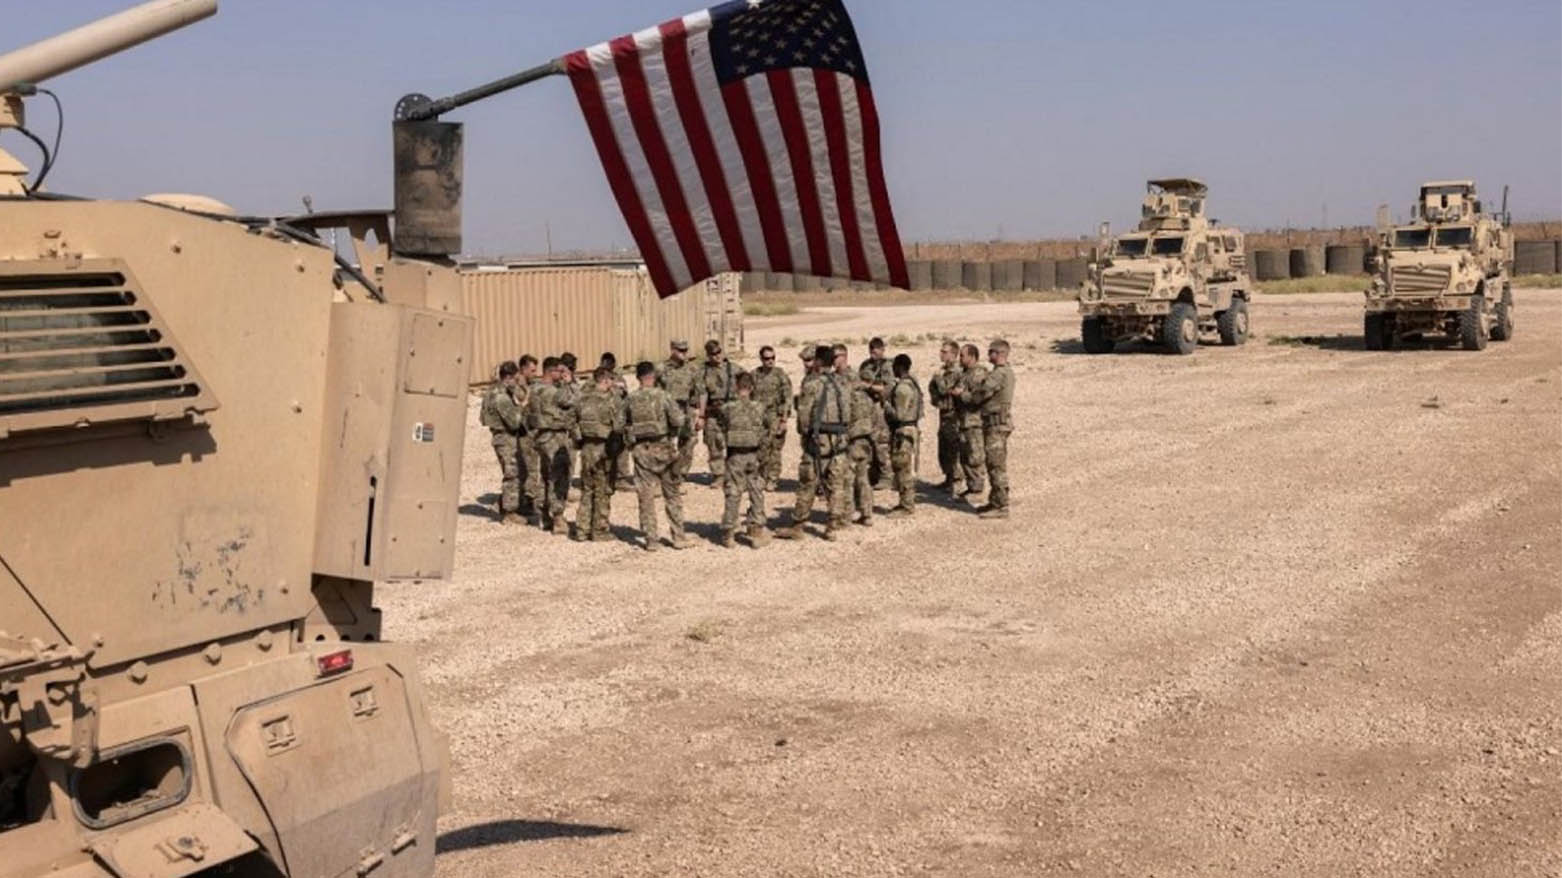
x=860 y=431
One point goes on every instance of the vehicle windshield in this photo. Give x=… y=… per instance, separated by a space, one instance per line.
x=1167 y=246
x=1413 y=238
x=1455 y=236
x=1132 y=246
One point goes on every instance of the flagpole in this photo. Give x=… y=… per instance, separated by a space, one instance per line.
x=421 y=108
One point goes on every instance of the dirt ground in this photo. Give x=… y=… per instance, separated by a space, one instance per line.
x=1286 y=609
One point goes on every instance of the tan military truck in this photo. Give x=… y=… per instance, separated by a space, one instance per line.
x=1448 y=271
x=1175 y=278
x=216 y=435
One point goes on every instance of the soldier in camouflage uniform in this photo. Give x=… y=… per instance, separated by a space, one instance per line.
x=717 y=386
x=653 y=421
x=746 y=425
x=773 y=388
x=549 y=408
x=875 y=372
x=617 y=448
x=904 y=411
x=831 y=426
x=996 y=397
x=678 y=377
x=530 y=460
x=973 y=456
x=502 y=414
x=599 y=417
x=938 y=388
x=814 y=357
x=866 y=411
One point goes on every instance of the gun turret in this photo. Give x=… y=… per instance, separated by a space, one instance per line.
x=51 y=57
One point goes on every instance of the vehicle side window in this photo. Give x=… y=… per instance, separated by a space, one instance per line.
x=1231 y=243
x=1201 y=253
x=1214 y=244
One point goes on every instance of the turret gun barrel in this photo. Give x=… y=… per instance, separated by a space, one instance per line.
x=90 y=42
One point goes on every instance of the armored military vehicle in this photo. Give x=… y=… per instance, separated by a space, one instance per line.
x=216 y=435
x=1176 y=277
x=1447 y=271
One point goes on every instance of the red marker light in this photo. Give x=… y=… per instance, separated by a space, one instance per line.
x=335 y=662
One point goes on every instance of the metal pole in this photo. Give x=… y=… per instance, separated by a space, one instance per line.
x=419 y=108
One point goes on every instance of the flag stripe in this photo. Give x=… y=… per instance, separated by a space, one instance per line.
x=795 y=135
x=696 y=130
x=805 y=84
x=642 y=115
x=878 y=266
x=827 y=84
x=751 y=142
x=589 y=93
x=744 y=200
x=880 y=190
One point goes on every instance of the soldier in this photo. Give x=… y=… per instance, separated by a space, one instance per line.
x=549 y=408
x=623 y=465
x=904 y=411
x=746 y=425
x=973 y=457
x=502 y=414
x=876 y=373
x=653 y=421
x=807 y=402
x=678 y=377
x=867 y=410
x=938 y=388
x=530 y=461
x=773 y=388
x=831 y=425
x=717 y=387
x=599 y=416
x=996 y=393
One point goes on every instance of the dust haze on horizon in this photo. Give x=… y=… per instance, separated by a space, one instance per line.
x=1004 y=119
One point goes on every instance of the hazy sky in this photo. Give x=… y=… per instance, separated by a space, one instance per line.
x=1012 y=118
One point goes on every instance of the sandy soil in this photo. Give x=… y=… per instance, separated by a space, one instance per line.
x=1286 y=609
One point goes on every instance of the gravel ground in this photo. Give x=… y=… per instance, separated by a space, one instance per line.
x=1286 y=609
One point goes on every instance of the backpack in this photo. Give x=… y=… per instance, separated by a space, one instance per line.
x=596 y=415
x=863 y=406
x=832 y=411
x=745 y=424
x=647 y=416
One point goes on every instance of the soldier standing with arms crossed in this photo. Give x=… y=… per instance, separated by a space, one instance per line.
x=532 y=500
x=653 y=421
x=995 y=395
x=623 y=466
x=973 y=458
x=773 y=389
x=678 y=377
x=502 y=413
x=746 y=425
x=904 y=411
x=876 y=372
x=549 y=408
x=938 y=387
x=808 y=466
x=599 y=416
x=716 y=388
x=867 y=410
x=831 y=420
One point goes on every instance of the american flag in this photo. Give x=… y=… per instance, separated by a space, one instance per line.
x=743 y=138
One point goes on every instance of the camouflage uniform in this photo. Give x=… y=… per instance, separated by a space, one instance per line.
x=746 y=424
x=679 y=380
x=532 y=500
x=599 y=416
x=881 y=374
x=549 y=408
x=622 y=464
x=905 y=414
x=861 y=445
x=502 y=415
x=831 y=420
x=948 y=423
x=996 y=396
x=716 y=387
x=652 y=423
x=808 y=466
x=973 y=448
x=773 y=388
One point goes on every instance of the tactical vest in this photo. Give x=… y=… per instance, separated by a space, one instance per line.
x=969 y=404
x=678 y=381
x=551 y=415
x=807 y=400
x=726 y=391
x=768 y=386
x=901 y=412
x=647 y=415
x=745 y=425
x=946 y=379
x=488 y=417
x=863 y=406
x=832 y=411
x=595 y=414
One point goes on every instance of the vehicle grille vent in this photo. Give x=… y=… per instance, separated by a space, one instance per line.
x=86 y=345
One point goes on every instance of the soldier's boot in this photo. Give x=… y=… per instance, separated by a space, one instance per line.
x=992 y=512
x=866 y=521
x=790 y=532
x=729 y=538
x=758 y=537
x=560 y=526
x=681 y=542
x=899 y=512
x=653 y=544
x=512 y=518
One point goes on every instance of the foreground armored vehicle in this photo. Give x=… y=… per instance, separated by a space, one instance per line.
x=1174 y=278
x=1448 y=271
x=215 y=436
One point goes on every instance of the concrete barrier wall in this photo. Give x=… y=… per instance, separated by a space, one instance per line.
x=1071 y=273
x=946 y=274
x=1535 y=257
x=1307 y=261
x=921 y=273
x=1008 y=276
x=976 y=276
x=1040 y=274
x=1271 y=264
x=1345 y=259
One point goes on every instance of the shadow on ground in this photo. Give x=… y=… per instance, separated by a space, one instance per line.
x=498 y=832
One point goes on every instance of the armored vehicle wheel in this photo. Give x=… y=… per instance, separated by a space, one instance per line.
x=1092 y=330
x=1502 y=327
x=1232 y=324
x=1180 y=332
x=1472 y=325
x=1378 y=329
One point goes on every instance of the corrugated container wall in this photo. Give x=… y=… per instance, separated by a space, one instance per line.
x=588 y=310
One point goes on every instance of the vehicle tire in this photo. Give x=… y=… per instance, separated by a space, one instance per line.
x=1472 y=325
x=1180 y=331
x=1232 y=323
x=1378 y=332
x=1502 y=329
x=1093 y=331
